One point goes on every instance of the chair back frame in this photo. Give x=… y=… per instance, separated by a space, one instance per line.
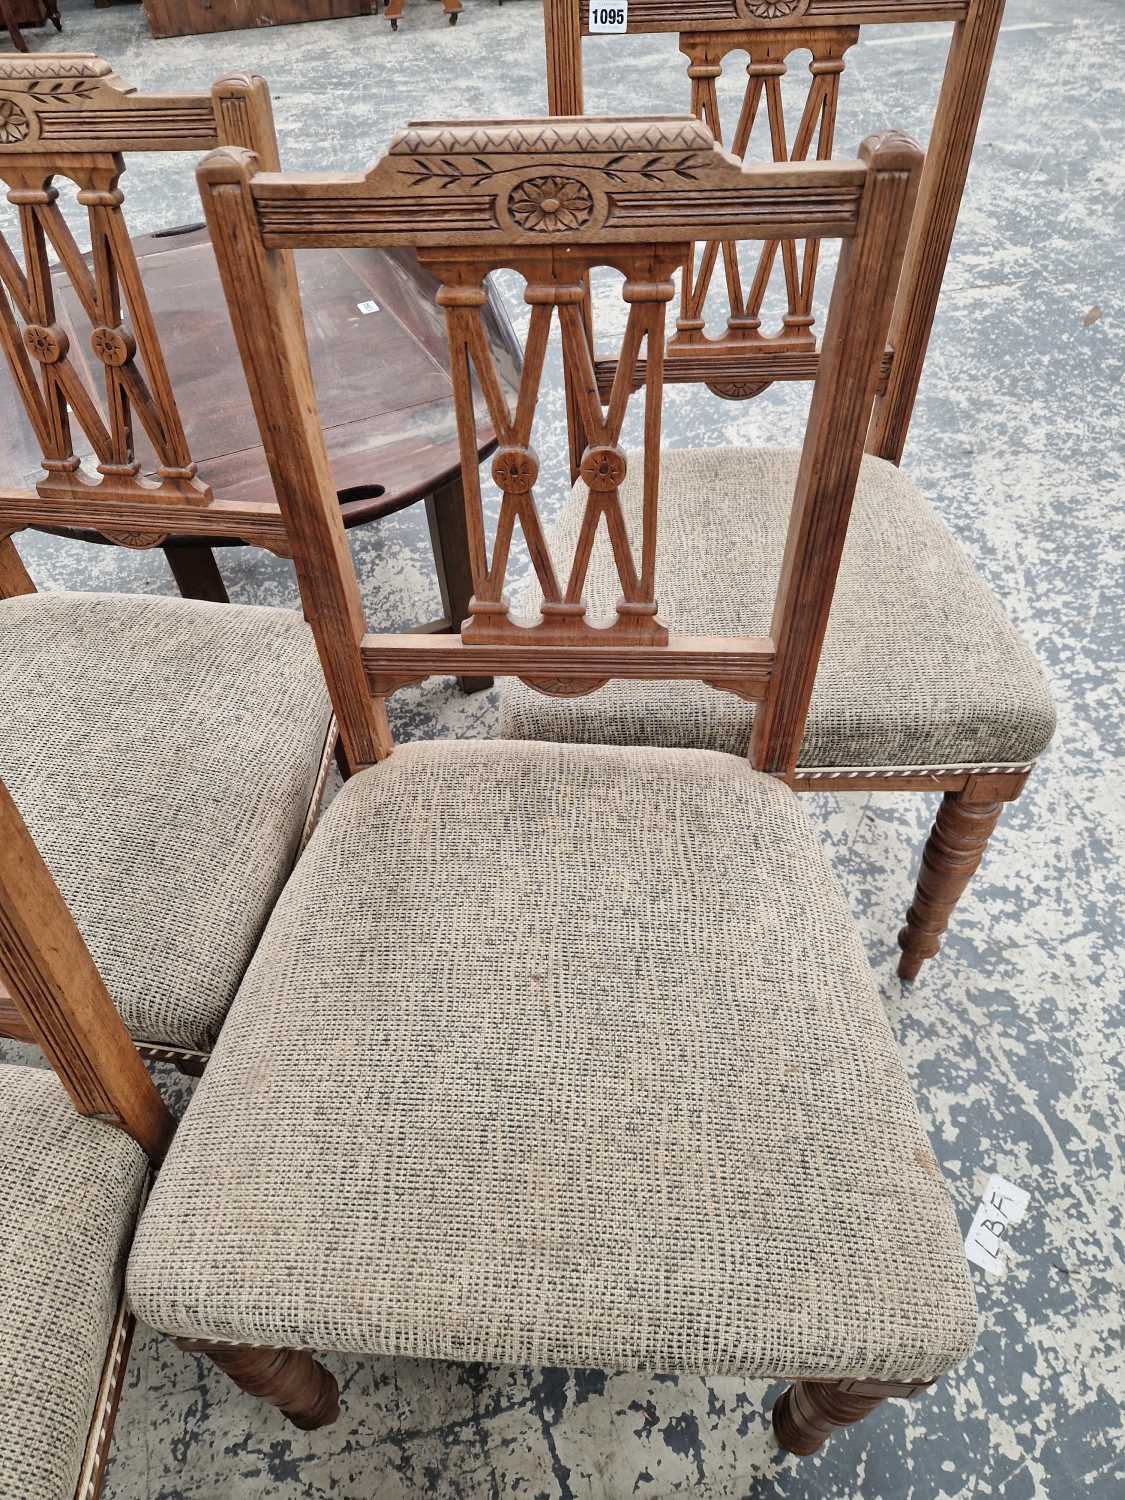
x=61 y=997
x=67 y=115
x=743 y=361
x=551 y=199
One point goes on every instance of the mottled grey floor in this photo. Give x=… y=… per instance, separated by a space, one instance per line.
x=1012 y=1036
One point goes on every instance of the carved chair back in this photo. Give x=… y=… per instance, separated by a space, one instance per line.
x=67 y=116
x=742 y=360
x=60 y=995
x=552 y=200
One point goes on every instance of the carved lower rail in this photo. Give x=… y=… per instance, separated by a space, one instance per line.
x=709 y=365
x=740 y=667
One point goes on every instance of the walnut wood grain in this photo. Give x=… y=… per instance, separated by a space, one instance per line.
x=943 y=183
x=741 y=667
x=770 y=32
x=14 y=577
x=62 y=999
x=290 y=1379
x=264 y=303
x=386 y=398
x=195 y=17
x=722 y=15
x=809 y=1411
x=562 y=32
x=196 y=573
x=546 y=199
x=951 y=857
x=449 y=539
x=854 y=337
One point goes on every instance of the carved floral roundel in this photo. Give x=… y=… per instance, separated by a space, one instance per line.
x=771 y=10
x=551 y=205
x=13 y=122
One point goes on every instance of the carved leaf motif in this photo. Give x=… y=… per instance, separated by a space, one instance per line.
x=652 y=170
x=550 y=205
x=58 y=89
x=13 y=122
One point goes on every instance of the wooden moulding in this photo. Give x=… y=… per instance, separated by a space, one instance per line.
x=62 y=999
x=141 y=523
x=739 y=667
x=553 y=199
x=195 y=17
x=723 y=15
x=445 y=184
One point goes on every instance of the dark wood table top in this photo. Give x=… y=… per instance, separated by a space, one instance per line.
x=382 y=377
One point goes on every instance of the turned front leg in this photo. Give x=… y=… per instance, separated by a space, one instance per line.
x=950 y=859
x=807 y=1414
x=291 y=1379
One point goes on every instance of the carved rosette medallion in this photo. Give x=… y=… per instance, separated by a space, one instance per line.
x=47 y=345
x=14 y=124
x=515 y=470
x=603 y=468
x=771 y=10
x=113 y=346
x=551 y=205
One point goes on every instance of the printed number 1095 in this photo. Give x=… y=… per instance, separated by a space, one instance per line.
x=609 y=17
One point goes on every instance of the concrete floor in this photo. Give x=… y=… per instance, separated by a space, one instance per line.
x=1012 y=1036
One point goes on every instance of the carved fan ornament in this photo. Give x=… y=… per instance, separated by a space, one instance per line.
x=549 y=205
x=13 y=122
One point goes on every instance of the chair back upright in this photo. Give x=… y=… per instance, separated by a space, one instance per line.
x=60 y=995
x=552 y=200
x=67 y=116
x=742 y=360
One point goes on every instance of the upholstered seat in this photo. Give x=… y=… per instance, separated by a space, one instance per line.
x=163 y=753
x=566 y=1055
x=70 y=1189
x=920 y=665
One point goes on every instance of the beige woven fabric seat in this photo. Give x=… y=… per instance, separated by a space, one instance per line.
x=70 y=1189
x=564 y=1055
x=920 y=667
x=163 y=753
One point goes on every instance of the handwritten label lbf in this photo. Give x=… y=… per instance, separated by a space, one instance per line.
x=1003 y=1204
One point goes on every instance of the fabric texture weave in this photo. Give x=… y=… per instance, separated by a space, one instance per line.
x=163 y=753
x=920 y=667
x=561 y=1055
x=70 y=1189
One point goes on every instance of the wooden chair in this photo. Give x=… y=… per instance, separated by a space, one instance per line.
x=924 y=685
x=394 y=8
x=742 y=361
x=17 y=13
x=75 y=1174
x=558 y=1054
x=168 y=756
x=173 y=438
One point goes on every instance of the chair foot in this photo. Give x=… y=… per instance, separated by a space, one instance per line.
x=289 y=1379
x=809 y=1411
x=951 y=857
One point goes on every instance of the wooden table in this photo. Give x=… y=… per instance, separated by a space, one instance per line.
x=382 y=377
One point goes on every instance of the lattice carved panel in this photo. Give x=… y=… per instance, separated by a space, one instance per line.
x=124 y=350
x=747 y=283
x=647 y=289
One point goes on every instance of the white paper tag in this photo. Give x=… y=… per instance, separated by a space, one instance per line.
x=366 y=307
x=1003 y=1204
x=608 y=15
